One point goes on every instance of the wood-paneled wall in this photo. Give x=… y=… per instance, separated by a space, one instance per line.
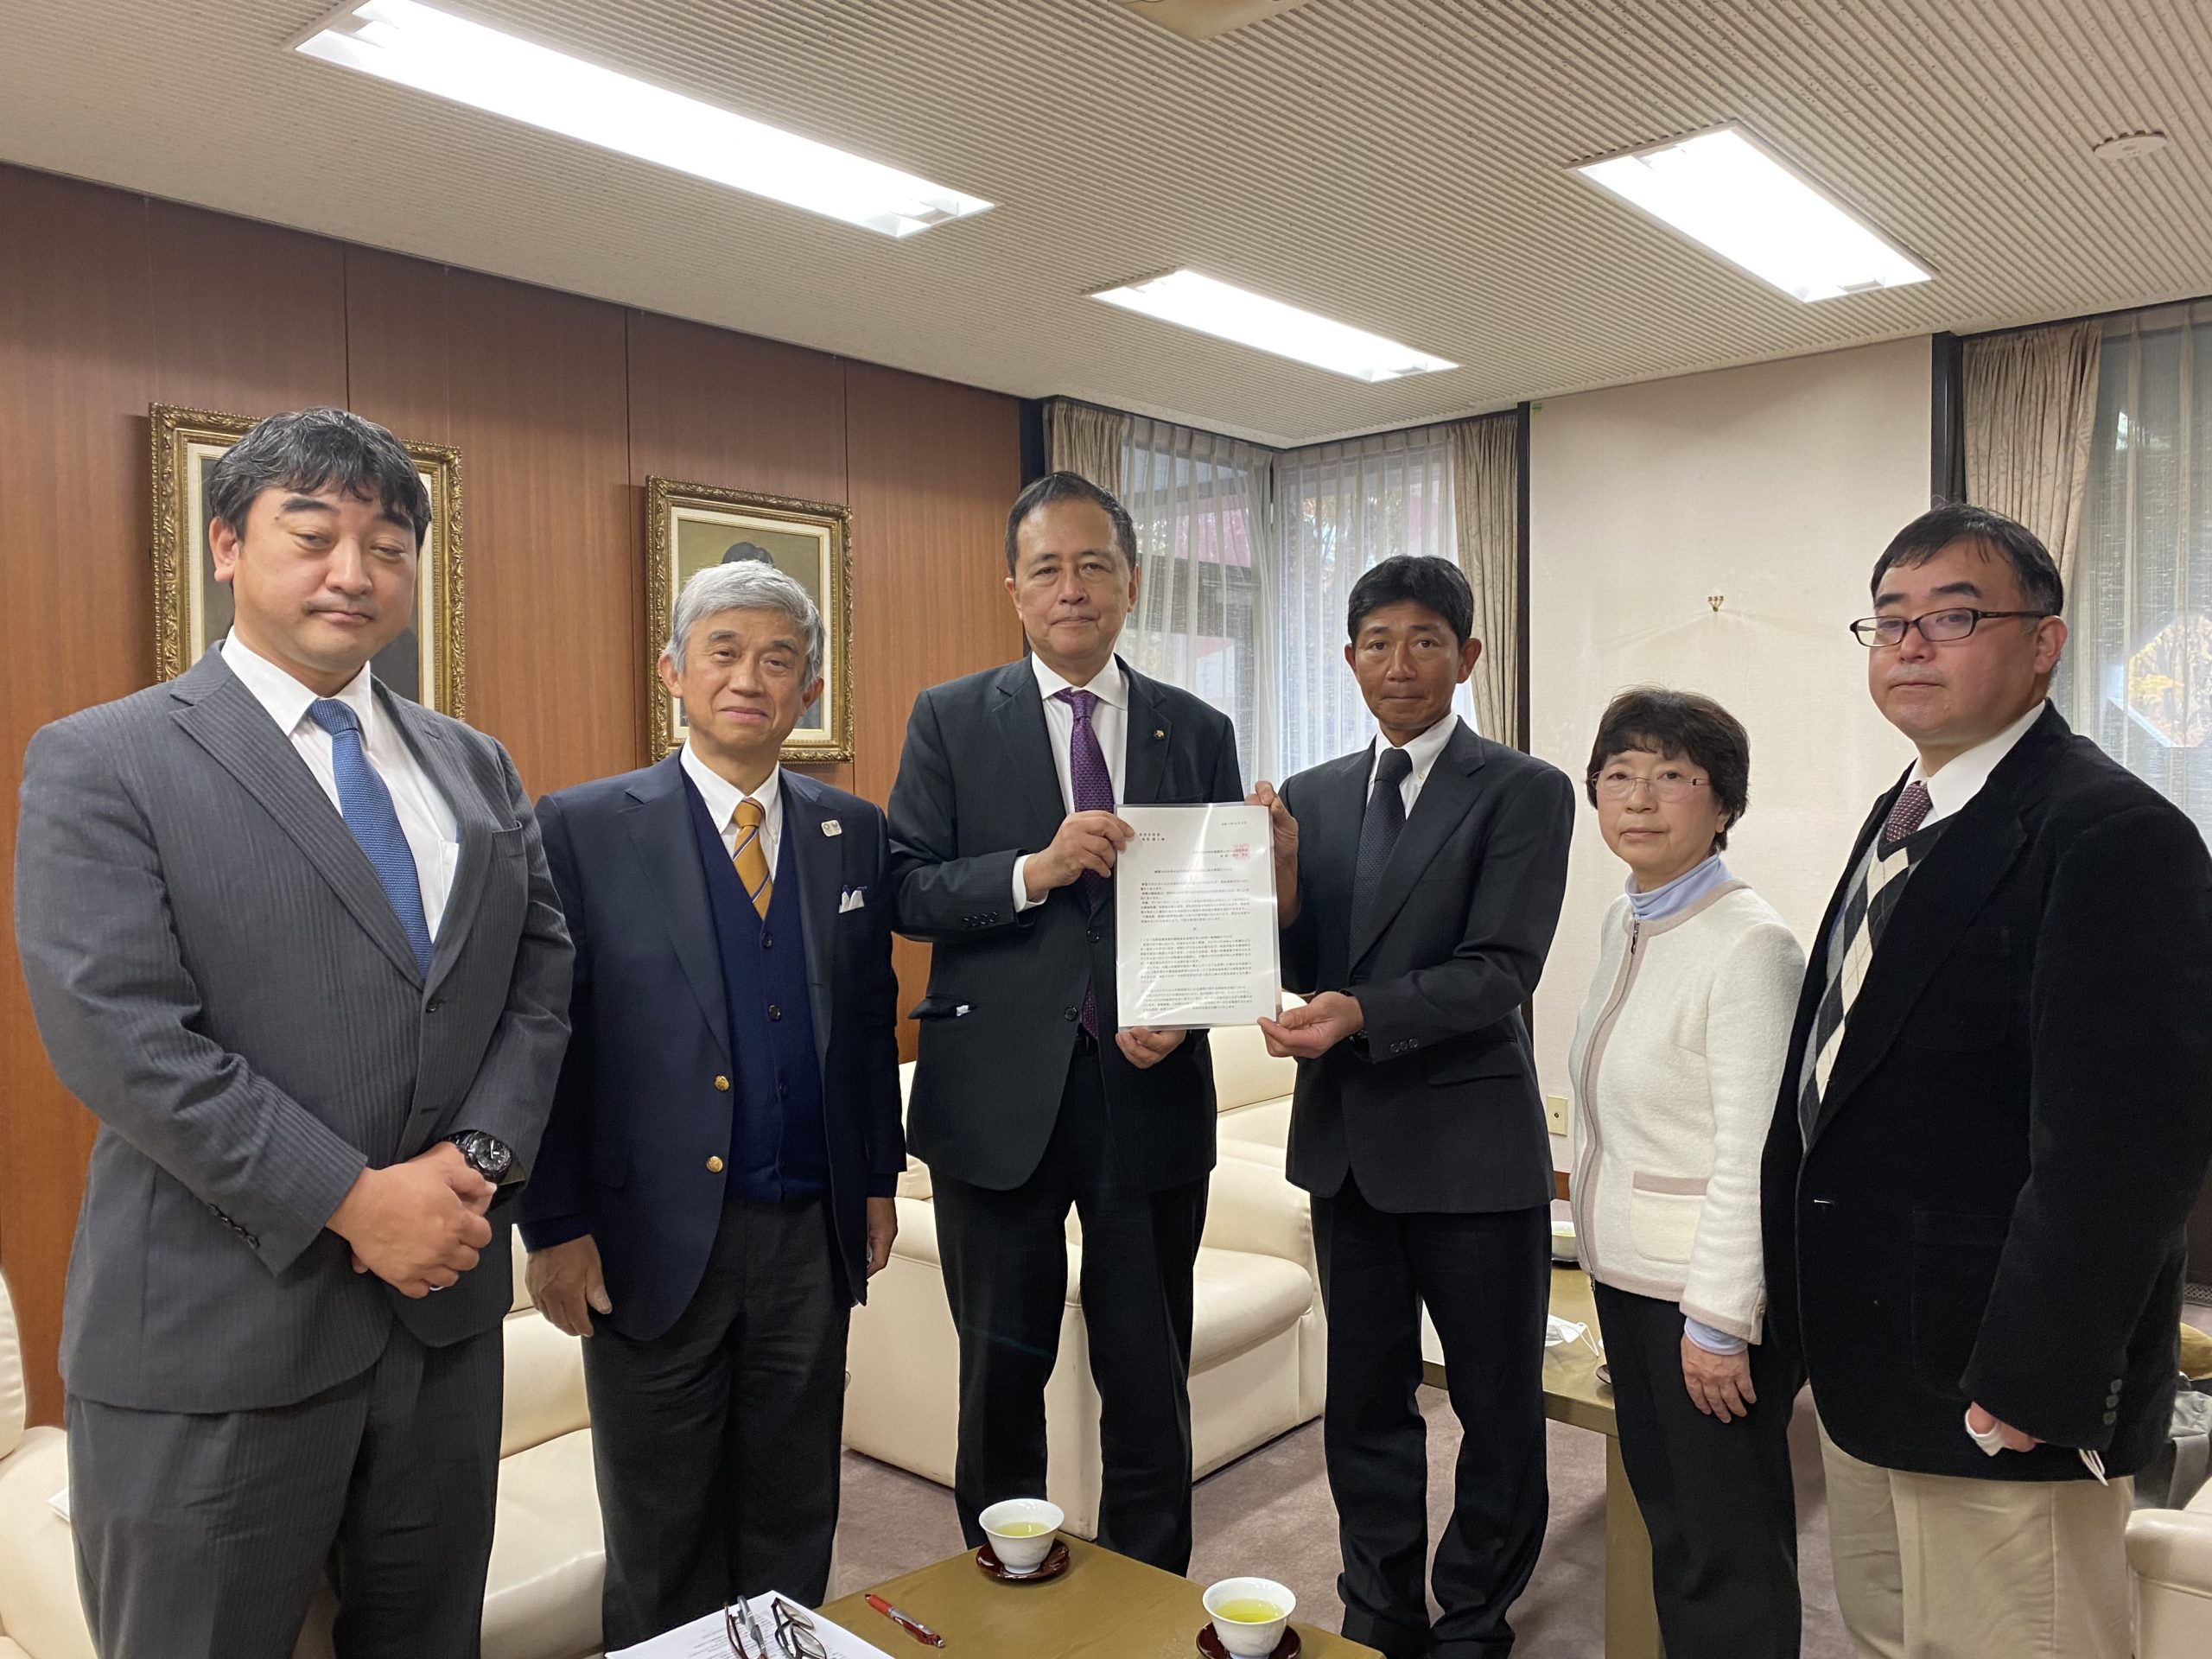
x=561 y=407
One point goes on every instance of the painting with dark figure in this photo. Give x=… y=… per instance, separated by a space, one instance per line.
x=692 y=526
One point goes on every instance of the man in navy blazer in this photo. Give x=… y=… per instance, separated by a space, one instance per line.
x=716 y=1184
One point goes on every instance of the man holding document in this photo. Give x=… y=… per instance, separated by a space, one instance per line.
x=1418 y=881
x=1029 y=1096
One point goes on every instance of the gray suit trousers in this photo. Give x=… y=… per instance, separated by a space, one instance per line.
x=202 y=1535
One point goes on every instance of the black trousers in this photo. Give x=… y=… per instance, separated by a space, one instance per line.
x=1717 y=1497
x=1486 y=1281
x=202 y=1535
x=1006 y=1274
x=715 y=1444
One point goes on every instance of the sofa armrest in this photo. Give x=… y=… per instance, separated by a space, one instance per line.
x=1251 y=1206
x=2172 y=1547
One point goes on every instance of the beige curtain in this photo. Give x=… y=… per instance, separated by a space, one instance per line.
x=1487 y=498
x=1082 y=438
x=2030 y=403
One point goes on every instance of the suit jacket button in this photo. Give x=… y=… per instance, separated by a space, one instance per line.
x=1094 y=935
x=767 y=941
x=714 y=1166
x=775 y=1013
x=1070 y=1014
x=723 y=1084
x=2112 y=1417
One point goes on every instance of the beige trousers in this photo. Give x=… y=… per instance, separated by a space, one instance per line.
x=1932 y=1567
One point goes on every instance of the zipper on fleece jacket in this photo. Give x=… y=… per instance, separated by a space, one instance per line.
x=1578 y=1191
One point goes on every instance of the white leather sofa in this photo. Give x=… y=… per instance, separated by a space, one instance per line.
x=1257 y=1359
x=2170 y=1552
x=547 y=1557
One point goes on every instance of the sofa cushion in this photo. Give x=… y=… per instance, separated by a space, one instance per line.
x=1266 y=1123
x=547 y=1558
x=544 y=1384
x=38 y=1563
x=14 y=1399
x=1242 y=1299
x=1244 y=1072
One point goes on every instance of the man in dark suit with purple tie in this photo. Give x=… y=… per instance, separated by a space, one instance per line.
x=1028 y=1099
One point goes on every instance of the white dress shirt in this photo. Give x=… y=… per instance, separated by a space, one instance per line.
x=1961 y=777
x=1110 y=723
x=425 y=818
x=1422 y=750
x=722 y=798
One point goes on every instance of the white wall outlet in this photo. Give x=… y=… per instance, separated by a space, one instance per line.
x=1556 y=1114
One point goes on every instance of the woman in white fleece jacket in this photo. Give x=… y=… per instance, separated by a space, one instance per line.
x=1676 y=1064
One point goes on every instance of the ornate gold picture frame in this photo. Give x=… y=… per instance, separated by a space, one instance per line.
x=192 y=610
x=691 y=526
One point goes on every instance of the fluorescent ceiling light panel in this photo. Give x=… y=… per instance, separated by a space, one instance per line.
x=1722 y=189
x=1235 y=314
x=435 y=51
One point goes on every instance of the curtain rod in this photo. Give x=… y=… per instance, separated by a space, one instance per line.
x=1512 y=413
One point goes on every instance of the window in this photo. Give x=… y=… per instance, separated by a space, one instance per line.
x=2137 y=676
x=1344 y=508
x=1247 y=559
x=1200 y=506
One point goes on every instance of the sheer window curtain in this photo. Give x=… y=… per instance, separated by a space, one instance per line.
x=1202 y=510
x=1342 y=508
x=1246 y=556
x=2137 y=676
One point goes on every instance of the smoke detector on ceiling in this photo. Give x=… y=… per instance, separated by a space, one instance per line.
x=1202 y=20
x=2129 y=145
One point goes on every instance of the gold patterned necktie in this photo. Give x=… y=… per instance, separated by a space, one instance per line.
x=752 y=859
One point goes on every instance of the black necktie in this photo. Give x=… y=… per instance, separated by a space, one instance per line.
x=1379 y=826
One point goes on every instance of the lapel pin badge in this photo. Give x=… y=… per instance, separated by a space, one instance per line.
x=831 y=826
x=1159 y=731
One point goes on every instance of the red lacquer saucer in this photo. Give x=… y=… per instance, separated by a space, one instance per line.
x=1054 y=1564
x=1210 y=1643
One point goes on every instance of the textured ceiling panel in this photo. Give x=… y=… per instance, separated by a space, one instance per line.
x=1401 y=164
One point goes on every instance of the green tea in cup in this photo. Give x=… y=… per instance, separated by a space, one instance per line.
x=1027 y=1530
x=1248 y=1610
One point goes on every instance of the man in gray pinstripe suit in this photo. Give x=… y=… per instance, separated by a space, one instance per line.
x=292 y=938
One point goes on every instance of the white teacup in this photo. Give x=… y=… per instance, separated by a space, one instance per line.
x=1246 y=1638
x=1035 y=1524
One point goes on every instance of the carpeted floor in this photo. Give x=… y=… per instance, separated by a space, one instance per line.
x=1269 y=1514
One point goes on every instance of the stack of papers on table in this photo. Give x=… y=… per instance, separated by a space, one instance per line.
x=709 y=1639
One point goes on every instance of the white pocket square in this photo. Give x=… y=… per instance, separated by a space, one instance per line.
x=854 y=898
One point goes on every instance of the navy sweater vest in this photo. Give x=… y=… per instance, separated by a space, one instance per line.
x=778 y=1149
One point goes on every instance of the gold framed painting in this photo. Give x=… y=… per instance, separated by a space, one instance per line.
x=192 y=610
x=689 y=527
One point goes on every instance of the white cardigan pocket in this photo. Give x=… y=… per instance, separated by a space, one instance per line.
x=1663 y=1215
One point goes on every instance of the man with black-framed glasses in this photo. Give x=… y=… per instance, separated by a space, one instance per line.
x=1996 y=1113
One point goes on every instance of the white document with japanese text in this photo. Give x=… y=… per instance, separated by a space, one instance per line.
x=1194 y=918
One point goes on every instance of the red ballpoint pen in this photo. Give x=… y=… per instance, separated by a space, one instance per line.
x=913 y=1627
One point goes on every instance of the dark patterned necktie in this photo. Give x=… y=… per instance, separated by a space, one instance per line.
x=1379 y=826
x=1092 y=787
x=1909 y=814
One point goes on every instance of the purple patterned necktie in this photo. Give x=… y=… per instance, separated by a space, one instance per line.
x=1092 y=787
x=1911 y=811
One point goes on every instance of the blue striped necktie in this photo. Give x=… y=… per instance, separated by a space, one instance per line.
x=366 y=804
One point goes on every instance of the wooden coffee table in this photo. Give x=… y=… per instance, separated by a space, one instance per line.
x=1574 y=1395
x=1105 y=1606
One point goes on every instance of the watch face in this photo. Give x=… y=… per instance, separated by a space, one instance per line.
x=490 y=1159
